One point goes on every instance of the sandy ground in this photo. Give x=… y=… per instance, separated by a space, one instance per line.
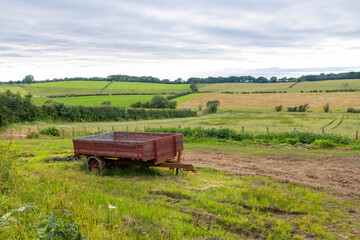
x=337 y=173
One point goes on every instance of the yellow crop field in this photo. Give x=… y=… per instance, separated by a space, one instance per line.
x=338 y=101
x=345 y=84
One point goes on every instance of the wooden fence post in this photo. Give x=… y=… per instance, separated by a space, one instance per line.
x=73 y=131
x=179 y=126
x=267 y=129
x=243 y=129
x=98 y=129
x=127 y=128
x=357 y=134
x=112 y=128
x=323 y=131
x=294 y=129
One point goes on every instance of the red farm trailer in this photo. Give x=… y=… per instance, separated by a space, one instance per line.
x=132 y=148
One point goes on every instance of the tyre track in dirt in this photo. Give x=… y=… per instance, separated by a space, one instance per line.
x=338 y=172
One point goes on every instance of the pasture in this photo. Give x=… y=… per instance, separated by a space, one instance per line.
x=253 y=121
x=338 y=101
x=116 y=100
x=136 y=203
x=13 y=88
x=96 y=87
x=302 y=86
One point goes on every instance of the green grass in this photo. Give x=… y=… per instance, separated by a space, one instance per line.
x=147 y=86
x=303 y=86
x=252 y=121
x=71 y=84
x=95 y=87
x=186 y=98
x=156 y=204
x=13 y=88
x=116 y=100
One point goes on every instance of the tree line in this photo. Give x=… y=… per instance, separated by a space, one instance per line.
x=17 y=109
x=194 y=80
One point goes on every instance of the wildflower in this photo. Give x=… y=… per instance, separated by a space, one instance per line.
x=111 y=206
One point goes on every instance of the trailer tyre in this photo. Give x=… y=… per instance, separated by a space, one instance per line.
x=95 y=164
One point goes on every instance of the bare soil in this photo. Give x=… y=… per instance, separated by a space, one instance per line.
x=338 y=172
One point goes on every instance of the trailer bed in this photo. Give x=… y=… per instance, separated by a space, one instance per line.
x=135 y=146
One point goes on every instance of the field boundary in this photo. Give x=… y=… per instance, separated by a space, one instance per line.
x=106 y=86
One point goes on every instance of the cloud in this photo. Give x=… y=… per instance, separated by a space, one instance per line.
x=140 y=34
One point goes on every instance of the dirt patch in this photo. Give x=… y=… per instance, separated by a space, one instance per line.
x=339 y=172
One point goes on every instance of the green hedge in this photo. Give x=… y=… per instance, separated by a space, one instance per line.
x=16 y=109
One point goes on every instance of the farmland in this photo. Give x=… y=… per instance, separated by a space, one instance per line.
x=297 y=88
x=116 y=100
x=96 y=87
x=252 y=121
x=14 y=89
x=338 y=101
x=156 y=204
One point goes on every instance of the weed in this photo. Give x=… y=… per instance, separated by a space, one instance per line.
x=324 y=143
x=50 y=131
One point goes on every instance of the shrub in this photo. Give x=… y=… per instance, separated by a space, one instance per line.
x=292 y=141
x=326 y=107
x=58 y=228
x=303 y=108
x=31 y=135
x=292 y=109
x=50 y=131
x=324 y=143
x=212 y=106
x=108 y=103
x=278 y=108
x=300 y=108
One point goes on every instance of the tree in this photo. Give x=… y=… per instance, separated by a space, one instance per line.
x=278 y=108
x=28 y=79
x=273 y=79
x=326 y=107
x=193 y=87
x=159 y=102
x=212 y=106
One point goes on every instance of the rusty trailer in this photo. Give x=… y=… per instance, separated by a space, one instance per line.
x=144 y=149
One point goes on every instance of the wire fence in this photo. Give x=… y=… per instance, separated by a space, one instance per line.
x=68 y=132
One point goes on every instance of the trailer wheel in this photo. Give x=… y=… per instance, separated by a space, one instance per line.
x=95 y=164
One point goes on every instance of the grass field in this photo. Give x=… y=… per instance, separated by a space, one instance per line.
x=116 y=100
x=137 y=86
x=338 y=101
x=252 y=121
x=94 y=87
x=13 y=89
x=186 y=98
x=156 y=204
x=303 y=86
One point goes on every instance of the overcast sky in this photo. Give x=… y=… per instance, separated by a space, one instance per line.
x=177 y=38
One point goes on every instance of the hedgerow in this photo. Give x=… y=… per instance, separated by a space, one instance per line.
x=16 y=109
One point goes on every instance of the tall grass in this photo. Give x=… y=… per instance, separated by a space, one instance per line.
x=7 y=169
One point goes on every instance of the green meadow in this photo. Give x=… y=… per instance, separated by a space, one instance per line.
x=13 y=88
x=345 y=124
x=116 y=100
x=136 y=203
x=96 y=87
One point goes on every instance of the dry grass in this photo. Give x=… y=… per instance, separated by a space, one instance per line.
x=338 y=101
